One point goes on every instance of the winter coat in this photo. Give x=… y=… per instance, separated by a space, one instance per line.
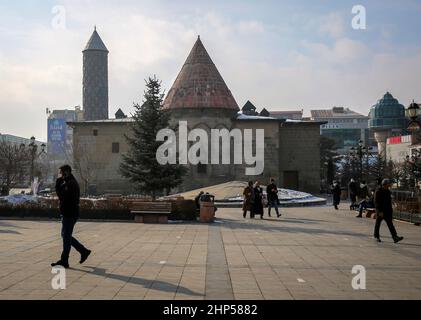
x=353 y=188
x=272 y=192
x=258 y=201
x=336 y=192
x=248 y=194
x=68 y=193
x=363 y=192
x=383 y=201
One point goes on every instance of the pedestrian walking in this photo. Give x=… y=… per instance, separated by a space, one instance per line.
x=258 y=200
x=336 y=193
x=68 y=193
x=384 y=210
x=272 y=195
x=353 y=192
x=248 y=194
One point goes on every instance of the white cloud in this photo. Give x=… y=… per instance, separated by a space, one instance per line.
x=332 y=25
x=250 y=27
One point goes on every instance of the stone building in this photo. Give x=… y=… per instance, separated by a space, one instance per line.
x=201 y=97
x=95 y=79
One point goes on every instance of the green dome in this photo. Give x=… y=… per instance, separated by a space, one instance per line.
x=387 y=113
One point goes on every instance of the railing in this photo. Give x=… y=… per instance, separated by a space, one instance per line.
x=407 y=206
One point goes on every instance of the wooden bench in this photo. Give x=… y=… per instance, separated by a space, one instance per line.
x=370 y=213
x=151 y=212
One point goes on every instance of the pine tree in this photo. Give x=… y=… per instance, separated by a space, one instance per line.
x=139 y=165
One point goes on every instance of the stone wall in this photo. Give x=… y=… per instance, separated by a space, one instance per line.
x=271 y=153
x=95 y=160
x=299 y=151
x=205 y=119
x=293 y=147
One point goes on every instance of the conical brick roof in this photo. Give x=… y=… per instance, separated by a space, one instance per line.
x=95 y=43
x=199 y=84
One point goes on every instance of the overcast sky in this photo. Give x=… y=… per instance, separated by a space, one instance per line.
x=281 y=55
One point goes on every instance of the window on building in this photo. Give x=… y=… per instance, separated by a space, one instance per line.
x=116 y=147
x=202 y=168
x=95 y=132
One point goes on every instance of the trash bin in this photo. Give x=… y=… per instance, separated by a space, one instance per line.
x=207 y=208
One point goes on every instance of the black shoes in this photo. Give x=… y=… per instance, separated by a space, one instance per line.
x=336 y=208
x=397 y=239
x=359 y=216
x=84 y=256
x=60 y=264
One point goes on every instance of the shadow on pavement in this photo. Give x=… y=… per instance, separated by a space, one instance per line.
x=154 y=284
x=6 y=224
x=10 y=231
x=236 y=224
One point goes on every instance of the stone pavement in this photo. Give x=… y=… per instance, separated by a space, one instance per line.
x=307 y=254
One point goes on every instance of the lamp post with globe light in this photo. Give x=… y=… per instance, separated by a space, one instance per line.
x=33 y=151
x=357 y=154
x=413 y=112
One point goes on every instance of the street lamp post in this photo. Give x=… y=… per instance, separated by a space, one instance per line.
x=33 y=148
x=358 y=153
x=412 y=112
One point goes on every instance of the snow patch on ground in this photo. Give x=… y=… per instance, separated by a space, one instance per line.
x=285 y=196
x=19 y=199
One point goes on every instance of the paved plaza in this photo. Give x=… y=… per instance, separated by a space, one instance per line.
x=307 y=254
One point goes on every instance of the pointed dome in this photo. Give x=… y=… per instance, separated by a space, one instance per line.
x=95 y=43
x=199 y=84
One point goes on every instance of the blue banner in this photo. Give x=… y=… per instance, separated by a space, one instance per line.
x=56 y=135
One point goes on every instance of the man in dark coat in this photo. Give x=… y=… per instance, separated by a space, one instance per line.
x=258 y=200
x=272 y=194
x=248 y=194
x=68 y=193
x=336 y=193
x=384 y=210
x=353 y=192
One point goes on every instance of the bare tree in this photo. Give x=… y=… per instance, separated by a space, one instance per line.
x=14 y=162
x=83 y=163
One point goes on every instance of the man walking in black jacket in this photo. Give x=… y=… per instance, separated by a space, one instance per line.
x=384 y=210
x=272 y=195
x=68 y=193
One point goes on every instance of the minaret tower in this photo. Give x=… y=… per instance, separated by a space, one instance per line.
x=95 y=79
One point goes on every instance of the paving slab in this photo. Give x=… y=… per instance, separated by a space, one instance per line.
x=308 y=253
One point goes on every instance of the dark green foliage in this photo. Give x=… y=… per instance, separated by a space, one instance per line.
x=139 y=165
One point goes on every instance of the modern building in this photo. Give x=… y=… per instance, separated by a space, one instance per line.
x=397 y=148
x=95 y=79
x=387 y=119
x=60 y=136
x=344 y=126
x=201 y=97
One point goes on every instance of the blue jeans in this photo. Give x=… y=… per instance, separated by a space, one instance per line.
x=68 y=224
x=273 y=204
